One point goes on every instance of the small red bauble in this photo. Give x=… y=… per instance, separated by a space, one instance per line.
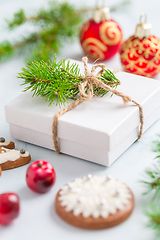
x=9 y=207
x=101 y=37
x=40 y=176
x=140 y=54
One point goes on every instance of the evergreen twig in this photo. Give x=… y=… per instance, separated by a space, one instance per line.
x=59 y=23
x=152 y=185
x=53 y=26
x=152 y=211
x=156 y=146
x=122 y=4
x=58 y=80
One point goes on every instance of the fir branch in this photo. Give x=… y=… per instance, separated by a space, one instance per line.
x=59 y=23
x=153 y=174
x=58 y=81
x=156 y=146
x=152 y=211
x=122 y=4
x=18 y=19
x=152 y=184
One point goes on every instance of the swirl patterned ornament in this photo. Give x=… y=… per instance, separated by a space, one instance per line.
x=141 y=56
x=100 y=40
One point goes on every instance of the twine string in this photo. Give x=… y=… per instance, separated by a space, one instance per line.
x=86 y=93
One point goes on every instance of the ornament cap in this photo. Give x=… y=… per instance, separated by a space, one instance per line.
x=101 y=14
x=143 y=29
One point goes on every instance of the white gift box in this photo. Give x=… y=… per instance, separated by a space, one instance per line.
x=98 y=130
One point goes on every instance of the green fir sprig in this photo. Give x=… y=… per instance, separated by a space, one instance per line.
x=58 y=81
x=152 y=211
x=152 y=185
x=54 y=25
x=122 y=4
x=156 y=146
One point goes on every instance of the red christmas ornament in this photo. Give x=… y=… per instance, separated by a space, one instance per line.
x=101 y=37
x=140 y=54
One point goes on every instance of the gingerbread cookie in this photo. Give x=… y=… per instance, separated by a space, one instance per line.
x=94 y=202
x=13 y=158
x=6 y=143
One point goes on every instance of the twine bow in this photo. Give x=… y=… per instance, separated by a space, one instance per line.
x=86 y=93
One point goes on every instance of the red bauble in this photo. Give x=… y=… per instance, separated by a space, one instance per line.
x=9 y=207
x=100 y=40
x=141 y=56
x=40 y=176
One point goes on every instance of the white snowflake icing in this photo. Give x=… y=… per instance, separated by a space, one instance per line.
x=94 y=196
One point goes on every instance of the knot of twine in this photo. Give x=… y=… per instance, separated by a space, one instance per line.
x=86 y=93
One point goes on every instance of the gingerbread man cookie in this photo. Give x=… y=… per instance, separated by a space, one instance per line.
x=6 y=143
x=13 y=158
x=94 y=202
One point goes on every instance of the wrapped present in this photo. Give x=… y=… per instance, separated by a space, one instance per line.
x=98 y=130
